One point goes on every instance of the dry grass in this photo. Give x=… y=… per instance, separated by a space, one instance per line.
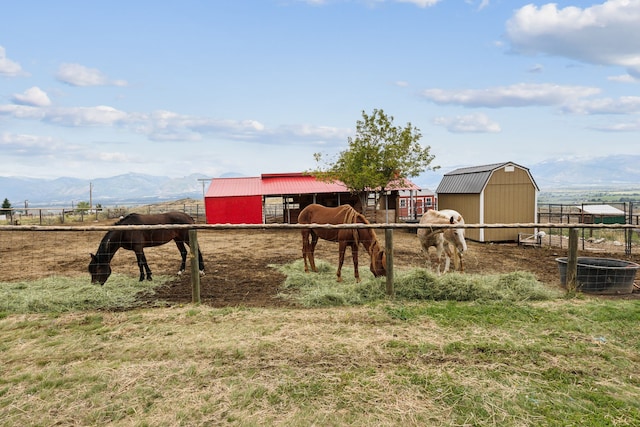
x=438 y=363
x=501 y=362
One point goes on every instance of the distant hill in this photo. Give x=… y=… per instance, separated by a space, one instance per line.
x=121 y=189
x=611 y=172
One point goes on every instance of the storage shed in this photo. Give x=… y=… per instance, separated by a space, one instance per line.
x=499 y=193
x=279 y=198
x=601 y=214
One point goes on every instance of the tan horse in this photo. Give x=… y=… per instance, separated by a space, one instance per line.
x=345 y=214
x=442 y=239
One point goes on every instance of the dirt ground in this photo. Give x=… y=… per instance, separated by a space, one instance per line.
x=237 y=261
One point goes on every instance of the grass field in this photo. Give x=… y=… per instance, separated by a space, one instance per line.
x=452 y=357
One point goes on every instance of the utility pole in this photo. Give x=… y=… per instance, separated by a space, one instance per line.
x=90 y=196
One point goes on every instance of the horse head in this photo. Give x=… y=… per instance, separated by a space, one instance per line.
x=457 y=235
x=457 y=238
x=100 y=271
x=378 y=264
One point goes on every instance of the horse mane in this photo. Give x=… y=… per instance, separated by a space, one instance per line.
x=108 y=247
x=352 y=216
x=130 y=219
x=439 y=214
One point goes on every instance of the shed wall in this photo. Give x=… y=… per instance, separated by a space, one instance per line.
x=234 y=210
x=469 y=207
x=509 y=197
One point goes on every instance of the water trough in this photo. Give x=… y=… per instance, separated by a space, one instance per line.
x=601 y=275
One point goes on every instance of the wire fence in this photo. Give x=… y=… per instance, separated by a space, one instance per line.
x=69 y=215
x=240 y=259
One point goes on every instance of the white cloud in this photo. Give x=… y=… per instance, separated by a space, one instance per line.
x=34 y=97
x=421 y=3
x=483 y=3
x=536 y=68
x=624 y=78
x=79 y=75
x=29 y=145
x=472 y=123
x=315 y=133
x=7 y=138
x=518 y=95
x=114 y=157
x=86 y=116
x=165 y=125
x=8 y=67
x=22 y=112
x=623 y=105
x=607 y=33
x=619 y=127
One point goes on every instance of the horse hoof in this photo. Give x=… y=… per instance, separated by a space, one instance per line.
x=201 y=272
x=180 y=273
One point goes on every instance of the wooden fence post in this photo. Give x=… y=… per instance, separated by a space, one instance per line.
x=388 y=250
x=195 y=268
x=572 y=260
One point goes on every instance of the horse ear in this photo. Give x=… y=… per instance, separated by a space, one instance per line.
x=93 y=257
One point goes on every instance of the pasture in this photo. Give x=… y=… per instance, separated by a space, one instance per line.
x=247 y=356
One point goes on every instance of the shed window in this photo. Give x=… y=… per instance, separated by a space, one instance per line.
x=509 y=168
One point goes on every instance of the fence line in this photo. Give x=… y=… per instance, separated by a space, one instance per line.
x=402 y=226
x=387 y=227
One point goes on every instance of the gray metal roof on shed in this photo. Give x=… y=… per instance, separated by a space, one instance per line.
x=471 y=180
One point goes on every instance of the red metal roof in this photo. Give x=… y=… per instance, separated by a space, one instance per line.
x=277 y=184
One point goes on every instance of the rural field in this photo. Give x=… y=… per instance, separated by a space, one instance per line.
x=248 y=356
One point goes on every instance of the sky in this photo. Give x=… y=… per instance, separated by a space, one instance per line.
x=168 y=88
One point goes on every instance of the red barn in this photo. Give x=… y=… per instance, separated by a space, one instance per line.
x=273 y=198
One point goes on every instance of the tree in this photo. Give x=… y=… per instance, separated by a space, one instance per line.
x=6 y=207
x=82 y=207
x=379 y=155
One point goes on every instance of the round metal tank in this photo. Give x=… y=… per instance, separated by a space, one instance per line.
x=601 y=275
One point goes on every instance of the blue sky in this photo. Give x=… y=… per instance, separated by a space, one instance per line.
x=97 y=89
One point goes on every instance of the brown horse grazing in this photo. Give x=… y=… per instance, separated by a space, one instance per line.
x=136 y=240
x=345 y=214
x=442 y=238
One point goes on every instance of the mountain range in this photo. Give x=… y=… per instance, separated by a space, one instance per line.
x=611 y=172
x=131 y=188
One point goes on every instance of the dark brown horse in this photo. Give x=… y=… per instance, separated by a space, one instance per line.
x=137 y=240
x=345 y=214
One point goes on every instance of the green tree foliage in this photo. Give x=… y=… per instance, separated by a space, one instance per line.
x=82 y=207
x=379 y=154
x=6 y=207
